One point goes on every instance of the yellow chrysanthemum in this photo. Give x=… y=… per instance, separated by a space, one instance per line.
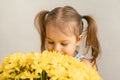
x=57 y=66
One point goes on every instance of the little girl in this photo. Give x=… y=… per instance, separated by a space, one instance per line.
x=61 y=30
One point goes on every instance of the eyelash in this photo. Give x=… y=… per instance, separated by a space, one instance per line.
x=51 y=42
x=61 y=43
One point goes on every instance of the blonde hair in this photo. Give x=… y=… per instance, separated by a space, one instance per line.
x=67 y=14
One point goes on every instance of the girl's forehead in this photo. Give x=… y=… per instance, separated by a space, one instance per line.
x=57 y=35
x=66 y=28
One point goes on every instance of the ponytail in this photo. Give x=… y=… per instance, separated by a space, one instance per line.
x=91 y=39
x=40 y=25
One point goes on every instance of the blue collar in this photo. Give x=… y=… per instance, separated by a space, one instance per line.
x=79 y=56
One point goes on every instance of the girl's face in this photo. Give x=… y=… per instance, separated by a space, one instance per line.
x=58 y=41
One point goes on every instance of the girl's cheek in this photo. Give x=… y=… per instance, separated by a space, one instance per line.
x=50 y=47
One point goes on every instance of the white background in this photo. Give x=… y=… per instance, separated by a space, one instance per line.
x=18 y=34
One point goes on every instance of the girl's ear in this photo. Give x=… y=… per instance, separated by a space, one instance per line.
x=79 y=39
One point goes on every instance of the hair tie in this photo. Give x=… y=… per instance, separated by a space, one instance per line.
x=82 y=17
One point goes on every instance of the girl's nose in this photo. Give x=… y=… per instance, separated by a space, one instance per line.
x=57 y=48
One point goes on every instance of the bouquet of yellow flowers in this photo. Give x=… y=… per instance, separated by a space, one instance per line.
x=45 y=66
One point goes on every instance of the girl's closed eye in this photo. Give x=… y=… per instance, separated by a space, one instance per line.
x=50 y=42
x=64 y=44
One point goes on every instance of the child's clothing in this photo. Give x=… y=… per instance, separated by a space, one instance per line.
x=79 y=56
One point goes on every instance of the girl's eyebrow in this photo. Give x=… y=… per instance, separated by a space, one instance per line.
x=61 y=40
x=49 y=38
x=66 y=41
